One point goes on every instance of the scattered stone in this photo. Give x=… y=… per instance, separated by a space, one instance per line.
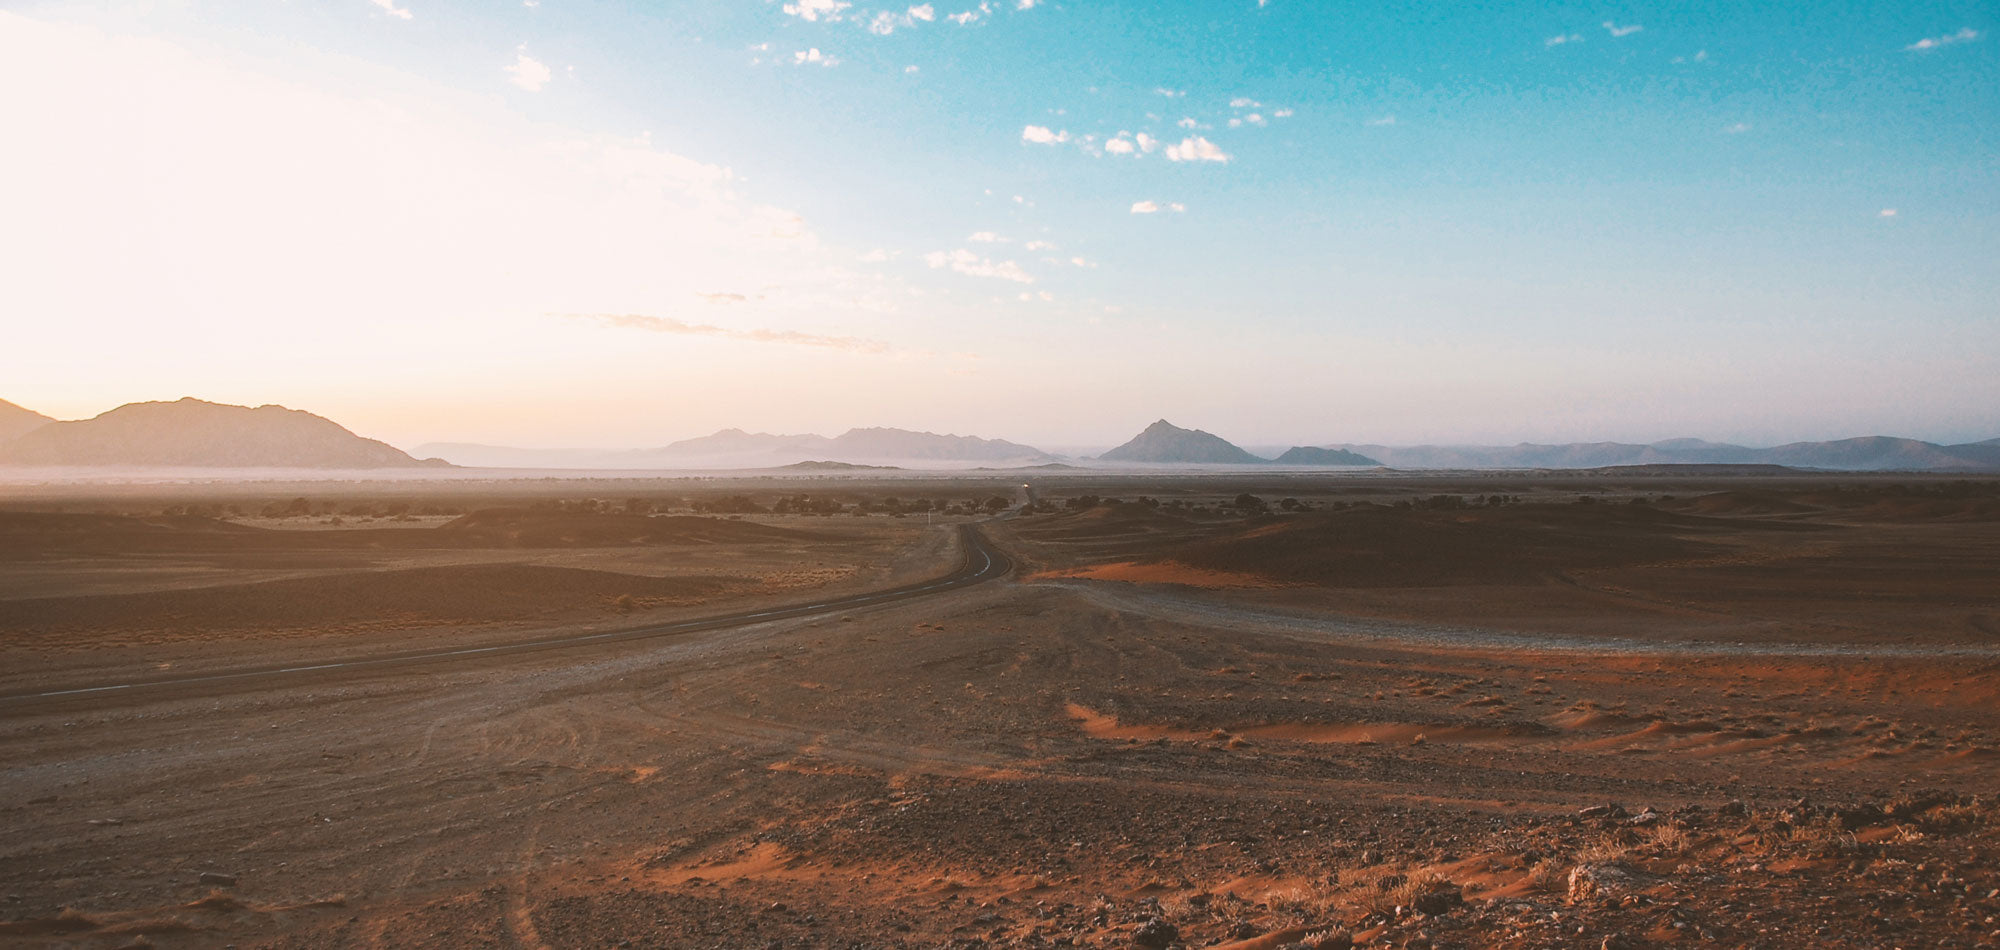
x=1608 y=810
x=1439 y=900
x=1156 y=933
x=1589 y=882
x=218 y=879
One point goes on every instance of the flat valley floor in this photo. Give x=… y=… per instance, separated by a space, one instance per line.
x=1465 y=711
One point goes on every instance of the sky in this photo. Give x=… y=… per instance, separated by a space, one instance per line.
x=561 y=223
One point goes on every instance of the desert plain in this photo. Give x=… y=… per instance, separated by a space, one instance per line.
x=1042 y=709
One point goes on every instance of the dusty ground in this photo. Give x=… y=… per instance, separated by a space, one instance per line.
x=1735 y=717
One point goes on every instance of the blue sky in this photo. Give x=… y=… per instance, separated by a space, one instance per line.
x=619 y=223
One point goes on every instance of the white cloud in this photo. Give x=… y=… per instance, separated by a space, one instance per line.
x=527 y=72
x=986 y=237
x=816 y=10
x=1039 y=246
x=470 y=221
x=813 y=57
x=1254 y=119
x=1282 y=114
x=1738 y=129
x=1887 y=213
x=1235 y=123
x=1120 y=146
x=1562 y=38
x=1025 y=4
x=1041 y=135
x=1241 y=102
x=1195 y=148
x=886 y=21
x=1383 y=120
x=910 y=70
x=963 y=19
x=965 y=262
x=1176 y=207
x=389 y=7
x=1188 y=123
x=1170 y=93
x=1083 y=263
x=1147 y=143
x=1617 y=31
x=1145 y=207
x=1964 y=35
x=1041 y=295
x=876 y=256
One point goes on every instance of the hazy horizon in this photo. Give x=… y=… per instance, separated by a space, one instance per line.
x=1046 y=221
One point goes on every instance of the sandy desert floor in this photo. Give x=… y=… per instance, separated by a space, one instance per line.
x=1734 y=714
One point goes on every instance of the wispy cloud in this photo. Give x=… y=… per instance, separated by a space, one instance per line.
x=986 y=237
x=886 y=21
x=1887 y=213
x=639 y=321
x=813 y=57
x=816 y=10
x=1738 y=129
x=1964 y=35
x=1039 y=246
x=1195 y=148
x=972 y=265
x=1150 y=206
x=389 y=7
x=1042 y=135
x=1170 y=93
x=527 y=72
x=1617 y=31
x=1562 y=38
x=1383 y=120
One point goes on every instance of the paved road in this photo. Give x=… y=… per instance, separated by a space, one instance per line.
x=982 y=562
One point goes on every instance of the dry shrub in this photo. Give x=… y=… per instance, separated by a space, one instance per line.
x=1668 y=839
x=1404 y=893
x=1547 y=876
x=1305 y=903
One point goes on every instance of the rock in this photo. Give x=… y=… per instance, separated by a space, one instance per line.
x=1244 y=930
x=1608 y=810
x=218 y=879
x=1599 y=882
x=1734 y=809
x=1155 y=933
x=1439 y=900
x=1862 y=816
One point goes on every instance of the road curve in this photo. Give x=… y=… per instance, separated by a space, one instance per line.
x=982 y=562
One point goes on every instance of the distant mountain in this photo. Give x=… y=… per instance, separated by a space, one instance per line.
x=1868 y=453
x=16 y=421
x=196 y=434
x=739 y=442
x=1165 y=442
x=735 y=448
x=1985 y=453
x=1872 y=453
x=904 y=444
x=1313 y=455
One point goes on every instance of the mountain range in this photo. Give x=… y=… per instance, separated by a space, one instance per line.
x=193 y=433
x=190 y=433
x=1864 y=454
x=735 y=448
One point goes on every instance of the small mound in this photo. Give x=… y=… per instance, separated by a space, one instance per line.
x=548 y=528
x=1424 y=548
x=1740 y=503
